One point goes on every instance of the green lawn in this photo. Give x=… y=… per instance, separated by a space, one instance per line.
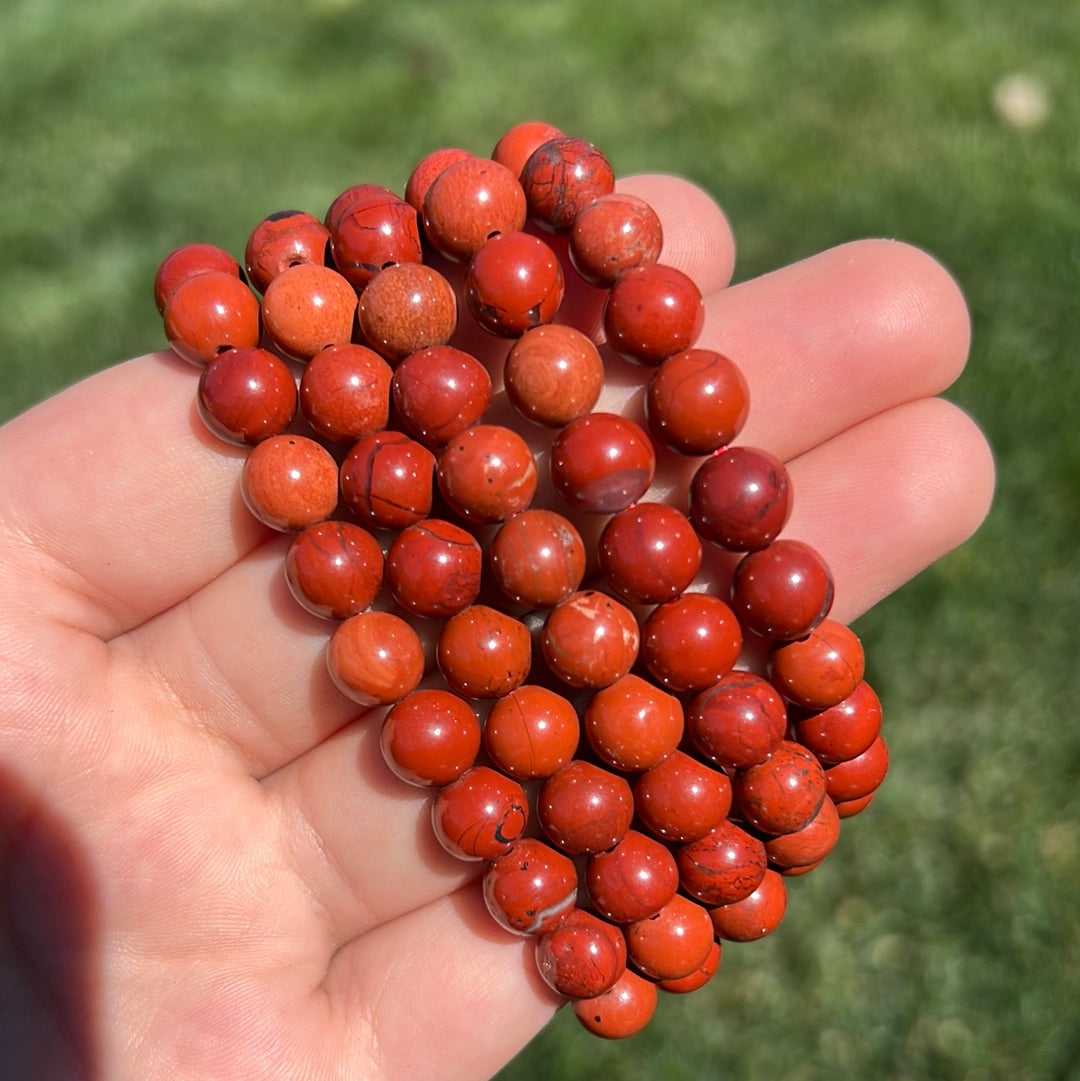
x=941 y=941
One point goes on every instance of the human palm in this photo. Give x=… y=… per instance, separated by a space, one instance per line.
x=207 y=870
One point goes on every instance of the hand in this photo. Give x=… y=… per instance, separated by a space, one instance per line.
x=207 y=870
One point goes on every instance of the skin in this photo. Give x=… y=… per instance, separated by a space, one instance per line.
x=207 y=870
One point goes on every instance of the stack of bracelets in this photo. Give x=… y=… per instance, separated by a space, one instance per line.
x=638 y=765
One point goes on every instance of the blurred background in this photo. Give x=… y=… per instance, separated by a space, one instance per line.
x=941 y=939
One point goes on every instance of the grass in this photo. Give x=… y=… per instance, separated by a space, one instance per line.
x=941 y=941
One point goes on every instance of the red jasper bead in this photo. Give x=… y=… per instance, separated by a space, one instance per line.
x=649 y=553
x=652 y=313
x=590 y=640
x=531 y=732
x=850 y=807
x=354 y=196
x=480 y=815
x=578 y=958
x=737 y=722
x=842 y=731
x=290 y=482
x=740 y=500
x=553 y=374
x=690 y=642
x=334 y=569
x=468 y=203
x=187 y=262
x=516 y=145
x=783 y=591
x=433 y=568
x=860 y=776
x=375 y=658
x=633 y=879
x=673 y=942
x=820 y=670
x=725 y=865
x=783 y=793
x=620 y=1012
x=306 y=308
x=210 y=313
x=282 y=240
x=345 y=392
x=430 y=737
x=387 y=480
x=373 y=232
x=427 y=169
x=681 y=798
x=756 y=915
x=483 y=653
x=537 y=558
x=561 y=177
x=602 y=463
x=696 y=979
x=613 y=234
x=514 y=283
x=247 y=395
x=697 y=401
x=584 y=808
x=810 y=845
x=487 y=473
x=405 y=308
x=439 y=392
x=530 y=888
x=633 y=725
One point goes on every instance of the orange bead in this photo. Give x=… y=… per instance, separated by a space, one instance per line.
x=290 y=482
x=516 y=145
x=620 y=1012
x=484 y=653
x=210 y=313
x=307 y=308
x=633 y=725
x=672 y=942
x=590 y=639
x=553 y=374
x=487 y=473
x=405 y=308
x=375 y=658
x=754 y=916
x=531 y=732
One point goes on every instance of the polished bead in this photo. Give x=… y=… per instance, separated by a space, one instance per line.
x=479 y=815
x=427 y=169
x=209 y=313
x=282 y=240
x=690 y=642
x=633 y=725
x=553 y=374
x=405 y=308
x=590 y=640
x=681 y=798
x=782 y=591
x=754 y=916
x=741 y=499
x=725 y=865
x=375 y=658
x=652 y=313
x=737 y=722
x=530 y=888
x=850 y=807
x=247 y=395
x=487 y=473
x=484 y=653
x=354 y=196
x=531 y=732
x=430 y=737
x=673 y=942
x=633 y=879
x=613 y=234
x=537 y=558
x=434 y=567
x=783 y=793
x=842 y=731
x=439 y=392
x=373 y=232
x=820 y=670
x=290 y=482
x=187 y=262
x=602 y=463
x=858 y=777
x=808 y=846
x=513 y=283
x=345 y=392
x=578 y=957
x=697 y=401
x=387 y=480
x=561 y=177
x=620 y=1012
x=584 y=808
x=306 y=308
x=649 y=553
x=696 y=979
x=334 y=569
x=515 y=146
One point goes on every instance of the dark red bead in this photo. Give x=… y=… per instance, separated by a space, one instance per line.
x=484 y=653
x=405 y=308
x=247 y=395
x=334 y=569
x=487 y=473
x=373 y=232
x=433 y=568
x=387 y=480
x=690 y=642
x=439 y=392
x=652 y=313
x=282 y=240
x=584 y=808
x=479 y=815
x=210 y=313
x=782 y=591
x=561 y=177
x=345 y=392
x=725 y=865
x=842 y=731
x=681 y=798
x=578 y=957
x=430 y=737
x=590 y=639
x=187 y=262
x=738 y=721
x=633 y=879
x=783 y=793
x=514 y=283
x=530 y=888
x=537 y=558
x=613 y=234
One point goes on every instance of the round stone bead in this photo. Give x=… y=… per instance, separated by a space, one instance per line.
x=783 y=793
x=439 y=392
x=513 y=283
x=725 y=865
x=515 y=146
x=820 y=670
x=484 y=653
x=307 y=308
x=354 y=196
x=808 y=846
x=289 y=482
x=427 y=169
x=850 y=807
x=373 y=232
x=690 y=642
x=479 y=815
x=622 y=1011
x=613 y=234
x=673 y=942
x=754 y=916
x=842 y=731
x=698 y=978
x=247 y=395
x=633 y=725
x=738 y=721
x=697 y=401
x=430 y=737
x=578 y=957
x=633 y=879
x=681 y=798
x=487 y=473
x=537 y=558
x=782 y=591
x=553 y=374
x=210 y=313
x=602 y=463
x=590 y=640
x=387 y=480
x=405 y=308
x=345 y=392
x=334 y=569
x=282 y=240
x=652 y=313
x=740 y=499
x=530 y=888
x=858 y=777
x=561 y=177
x=531 y=732
x=584 y=808
x=434 y=567
x=375 y=658
x=187 y=262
